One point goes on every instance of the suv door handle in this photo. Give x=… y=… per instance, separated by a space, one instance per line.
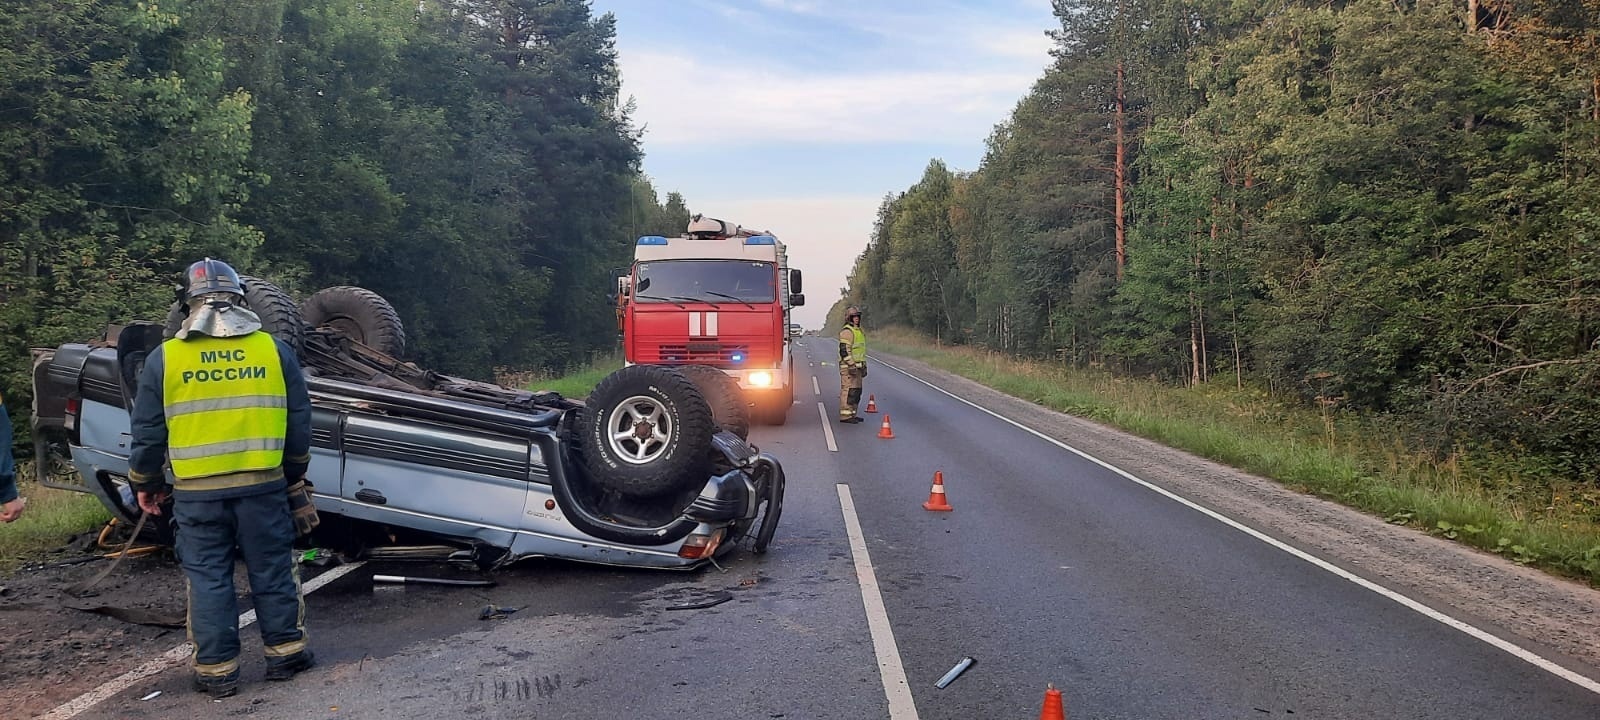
x=371 y=496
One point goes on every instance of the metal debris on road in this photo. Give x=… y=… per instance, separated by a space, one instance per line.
x=494 y=612
x=955 y=672
x=136 y=616
x=407 y=580
x=151 y=696
x=713 y=601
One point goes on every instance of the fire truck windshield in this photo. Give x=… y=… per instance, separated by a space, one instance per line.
x=705 y=281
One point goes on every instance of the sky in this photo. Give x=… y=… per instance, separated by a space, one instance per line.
x=799 y=116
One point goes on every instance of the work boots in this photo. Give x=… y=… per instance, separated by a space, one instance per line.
x=217 y=686
x=287 y=667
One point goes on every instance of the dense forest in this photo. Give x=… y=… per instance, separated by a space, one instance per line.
x=468 y=159
x=1389 y=206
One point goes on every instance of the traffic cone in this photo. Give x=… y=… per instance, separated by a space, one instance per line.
x=936 y=500
x=885 y=431
x=1052 y=709
x=872 y=404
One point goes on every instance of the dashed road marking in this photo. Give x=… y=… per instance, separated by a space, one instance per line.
x=815 y=388
x=895 y=687
x=827 y=430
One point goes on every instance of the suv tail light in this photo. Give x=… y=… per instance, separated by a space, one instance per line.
x=70 y=421
x=701 y=545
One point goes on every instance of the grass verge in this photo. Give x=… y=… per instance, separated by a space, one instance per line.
x=575 y=384
x=52 y=516
x=1340 y=456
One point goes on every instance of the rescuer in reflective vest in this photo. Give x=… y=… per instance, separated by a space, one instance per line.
x=852 y=365
x=226 y=405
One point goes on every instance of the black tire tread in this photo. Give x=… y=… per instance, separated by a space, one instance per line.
x=723 y=394
x=380 y=325
x=278 y=312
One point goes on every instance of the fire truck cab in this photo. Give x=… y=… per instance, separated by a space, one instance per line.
x=718 y=295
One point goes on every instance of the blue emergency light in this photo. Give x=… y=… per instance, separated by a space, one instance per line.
x=761 y=240
x=652 y=240
x=737 y=357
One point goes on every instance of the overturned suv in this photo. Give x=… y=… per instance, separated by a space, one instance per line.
x=652 y=470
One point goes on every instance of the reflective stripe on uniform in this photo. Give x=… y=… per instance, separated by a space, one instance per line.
x=226 y=403
x=194 y=452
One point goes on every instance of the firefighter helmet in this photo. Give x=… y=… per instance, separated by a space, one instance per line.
x=211 y=276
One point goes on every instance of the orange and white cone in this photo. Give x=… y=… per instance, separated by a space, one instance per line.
x=872 y=404
x=1052 y=709
x=885 y=431
x=936 y=500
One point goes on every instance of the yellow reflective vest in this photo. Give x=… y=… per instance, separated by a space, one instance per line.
x=225 y=403
x=857 y=340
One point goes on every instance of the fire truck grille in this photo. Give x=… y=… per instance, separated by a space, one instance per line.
x=709 y=353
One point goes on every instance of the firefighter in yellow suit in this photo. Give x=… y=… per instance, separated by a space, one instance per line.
x=852 y=365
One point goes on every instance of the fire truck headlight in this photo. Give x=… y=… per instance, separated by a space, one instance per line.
x=761 y=379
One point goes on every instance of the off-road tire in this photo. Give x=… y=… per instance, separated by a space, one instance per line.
x=279 y=316
x=667 y=465
x=722 y=393
x=360 y=314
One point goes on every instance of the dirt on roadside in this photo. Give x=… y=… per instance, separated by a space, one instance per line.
x=51 y=651
x=1551 y=616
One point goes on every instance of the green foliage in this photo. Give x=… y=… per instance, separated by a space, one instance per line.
x=1358 y=206
x=468 y=160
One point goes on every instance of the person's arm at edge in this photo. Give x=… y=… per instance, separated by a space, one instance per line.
x=147 y=453
x=297 y=436
x=8 y=466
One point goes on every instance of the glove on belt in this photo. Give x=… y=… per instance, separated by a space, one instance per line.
x=301 y=508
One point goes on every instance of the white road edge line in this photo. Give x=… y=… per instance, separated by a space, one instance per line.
x=895 y=687
x=174 y=656
x=815 y=388
x=827 y=430
x=1509 y=647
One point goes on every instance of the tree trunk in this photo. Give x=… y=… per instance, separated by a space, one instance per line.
x=1121 y=172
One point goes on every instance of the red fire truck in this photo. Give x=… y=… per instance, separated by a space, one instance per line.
x=718 y=295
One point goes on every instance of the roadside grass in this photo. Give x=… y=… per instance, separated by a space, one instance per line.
x=1335 y=455
x=51 y=518
x=576 y=383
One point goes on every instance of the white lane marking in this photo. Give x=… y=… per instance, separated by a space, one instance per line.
x=827 y=430
x=1509 y=647
x=816 y=389
x=895 y=687
x=174 y=656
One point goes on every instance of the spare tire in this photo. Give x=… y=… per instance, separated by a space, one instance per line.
x=360 y=314
x=645 y=430
x=277 y=311
x=722 y=393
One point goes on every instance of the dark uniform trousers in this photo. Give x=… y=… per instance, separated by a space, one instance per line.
x=211 y=535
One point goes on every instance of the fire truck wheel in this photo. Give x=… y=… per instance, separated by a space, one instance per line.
x=722 y=393
x=645 y=432
x=360 y=314
x=277 y=311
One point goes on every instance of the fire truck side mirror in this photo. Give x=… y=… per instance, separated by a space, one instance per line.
x=794 y=284
x=796 y=300
x=619 y=287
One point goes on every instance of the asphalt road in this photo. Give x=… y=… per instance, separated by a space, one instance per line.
x=1051 y=569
